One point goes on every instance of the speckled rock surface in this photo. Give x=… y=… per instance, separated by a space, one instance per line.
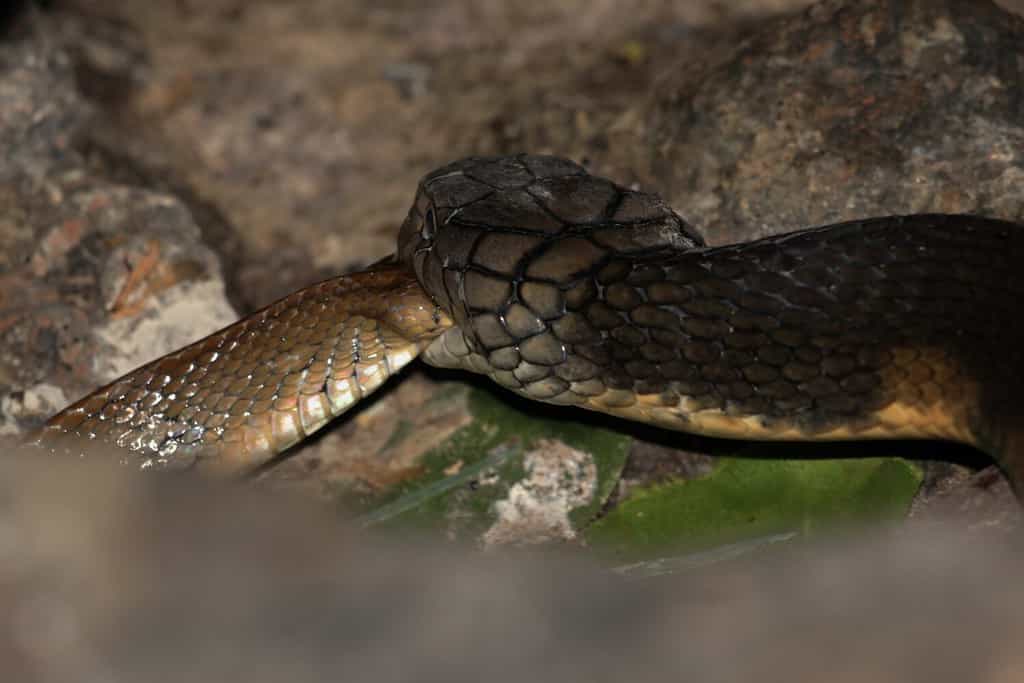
x=849 y=110
x=97 y=277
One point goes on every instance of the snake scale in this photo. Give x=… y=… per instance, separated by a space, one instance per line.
x=567 y=288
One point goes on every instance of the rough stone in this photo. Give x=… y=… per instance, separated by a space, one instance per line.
x=94 y=273
x=848 y=110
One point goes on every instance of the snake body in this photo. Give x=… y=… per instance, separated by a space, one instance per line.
x=567 y=288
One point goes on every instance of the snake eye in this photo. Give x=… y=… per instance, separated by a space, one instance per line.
x=429 y=228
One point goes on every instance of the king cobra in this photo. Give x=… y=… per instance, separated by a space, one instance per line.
x=567 y=288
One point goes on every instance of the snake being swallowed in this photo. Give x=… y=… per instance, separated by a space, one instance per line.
x=567 y=288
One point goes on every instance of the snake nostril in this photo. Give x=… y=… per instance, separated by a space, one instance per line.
x=429 y=228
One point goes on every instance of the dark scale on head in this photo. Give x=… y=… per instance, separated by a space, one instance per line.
x=525 y=252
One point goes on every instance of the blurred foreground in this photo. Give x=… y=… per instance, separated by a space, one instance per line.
x=110 y=576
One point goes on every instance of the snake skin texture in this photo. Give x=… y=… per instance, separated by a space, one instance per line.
x=233 y=400
x=567 y=288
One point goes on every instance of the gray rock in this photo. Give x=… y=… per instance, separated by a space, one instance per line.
x=42 y=112
x=97 y=276
x=848 y=110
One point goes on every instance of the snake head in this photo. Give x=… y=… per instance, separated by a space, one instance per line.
x=485 y=230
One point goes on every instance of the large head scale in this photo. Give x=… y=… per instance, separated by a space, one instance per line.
x=484 y=229
x=514 y=248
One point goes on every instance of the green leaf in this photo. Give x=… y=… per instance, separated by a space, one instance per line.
x=753 y=497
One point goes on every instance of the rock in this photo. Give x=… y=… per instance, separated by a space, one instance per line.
x=42 y=112
x=848 y=110
x=97 y=277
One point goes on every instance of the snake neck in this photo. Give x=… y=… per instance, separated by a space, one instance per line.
x=897 y=327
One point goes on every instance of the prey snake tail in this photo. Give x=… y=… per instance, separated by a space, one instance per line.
x=567 y=288
x=236 y=398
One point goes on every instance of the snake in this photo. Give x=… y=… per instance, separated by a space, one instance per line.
x=570 y=289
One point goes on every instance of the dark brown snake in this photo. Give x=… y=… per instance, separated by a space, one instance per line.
x=569 y=289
